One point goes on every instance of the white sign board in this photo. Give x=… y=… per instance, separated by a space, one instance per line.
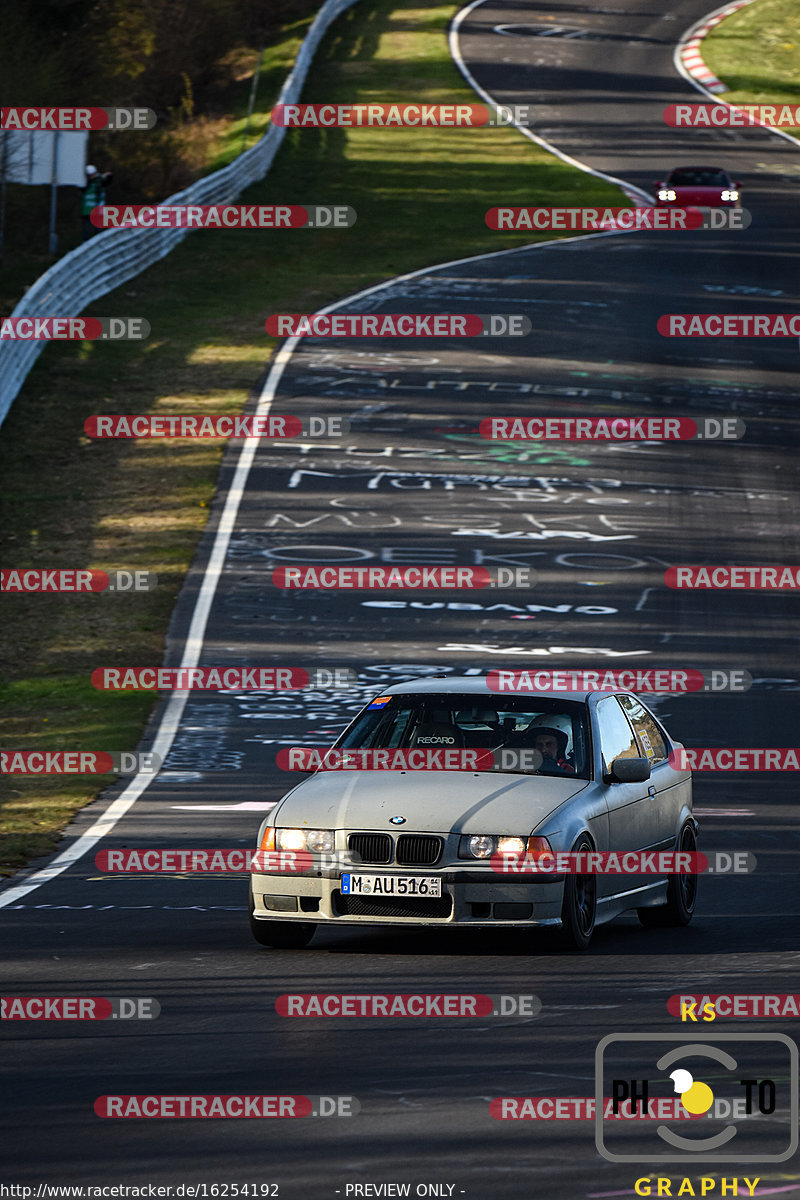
x=43 y=156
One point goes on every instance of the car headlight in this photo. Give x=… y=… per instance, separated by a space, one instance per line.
x=729 y=195
x=484 y=845
x=667 y=194
x=318 y=841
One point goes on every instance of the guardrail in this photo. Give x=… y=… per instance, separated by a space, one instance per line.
x=115 y=256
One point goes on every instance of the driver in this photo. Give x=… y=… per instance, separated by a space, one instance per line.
x=551 y=741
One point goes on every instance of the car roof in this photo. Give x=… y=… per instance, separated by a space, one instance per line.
x=477 y=685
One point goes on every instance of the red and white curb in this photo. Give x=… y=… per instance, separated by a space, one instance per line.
x=689 y=47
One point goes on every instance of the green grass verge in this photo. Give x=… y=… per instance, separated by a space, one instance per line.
x=420 y=196
x=756 y=52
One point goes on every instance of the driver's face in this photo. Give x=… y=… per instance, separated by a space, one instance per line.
x=547 y=745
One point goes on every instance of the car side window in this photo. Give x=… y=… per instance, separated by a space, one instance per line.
x=648 y=733
x=616 y=736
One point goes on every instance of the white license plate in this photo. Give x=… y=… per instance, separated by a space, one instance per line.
x=392 y=885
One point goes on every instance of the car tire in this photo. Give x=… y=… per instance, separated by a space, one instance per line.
x=579 y=909
x=281 y=935
x=681 y=892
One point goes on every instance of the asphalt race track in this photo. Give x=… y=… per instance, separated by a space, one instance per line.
x=412 y=482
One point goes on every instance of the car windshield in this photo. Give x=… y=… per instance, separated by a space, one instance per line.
x=557 y=729
x=699 y=177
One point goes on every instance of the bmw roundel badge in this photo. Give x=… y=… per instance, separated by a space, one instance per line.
x=397 y=820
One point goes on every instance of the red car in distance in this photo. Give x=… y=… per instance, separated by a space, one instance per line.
x=698 y=187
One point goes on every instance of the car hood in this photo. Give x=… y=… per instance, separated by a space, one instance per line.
x=701 y=196
x=430 y=801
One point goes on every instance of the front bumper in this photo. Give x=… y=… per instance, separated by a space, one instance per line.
x=703 y=206
x=468 y=897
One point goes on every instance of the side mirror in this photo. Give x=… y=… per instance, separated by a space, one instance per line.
x=659 y=183
x=630 y=770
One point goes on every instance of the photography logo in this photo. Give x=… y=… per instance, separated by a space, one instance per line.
x=738 y=1097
